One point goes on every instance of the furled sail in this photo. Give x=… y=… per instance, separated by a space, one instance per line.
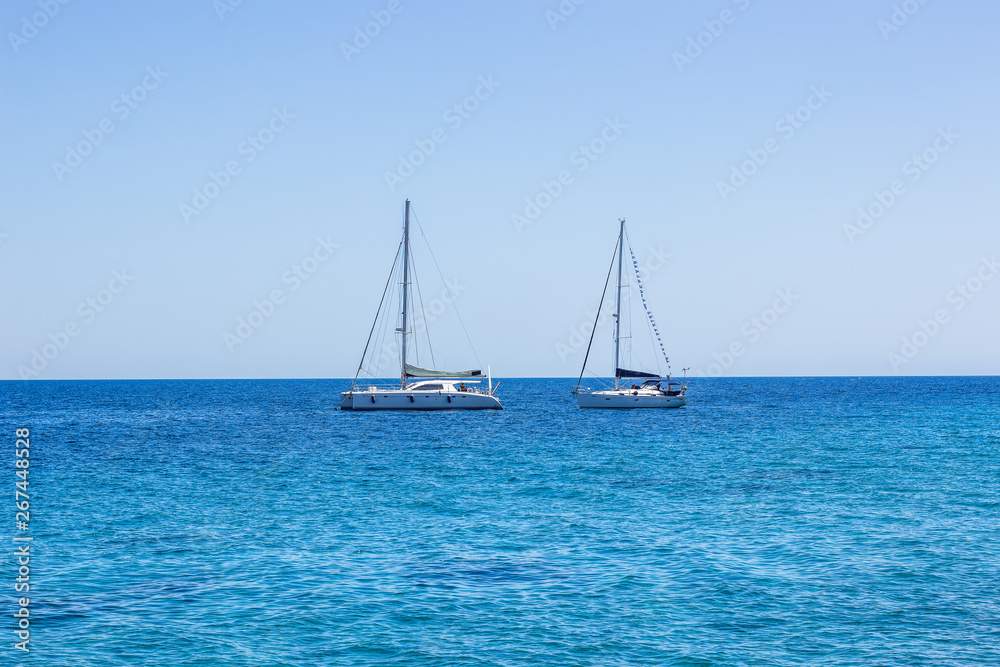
x=626 y=373
x=418 y=372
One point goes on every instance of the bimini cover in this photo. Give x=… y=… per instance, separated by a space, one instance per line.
x=626 y=373
x=418 y=372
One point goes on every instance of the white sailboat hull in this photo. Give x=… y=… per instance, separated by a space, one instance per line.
x=404 y=399
x=650 y=393
x=629 y=398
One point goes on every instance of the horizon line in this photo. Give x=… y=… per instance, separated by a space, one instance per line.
x=502 y=377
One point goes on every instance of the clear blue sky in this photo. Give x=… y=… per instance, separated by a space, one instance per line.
x=329 y=123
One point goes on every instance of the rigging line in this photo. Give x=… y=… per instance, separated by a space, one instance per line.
x=649 y=330
x=625 y=312
x=645 y=305
x=652 y=343
x=423 y=315
x=384 y=328
x=627 y=317
x=413 y=331
x=384 y=291
x=373 y=365
x=383 y=340
x=453 y=304
x=378 y=345
x=597 y=317
x=375 y=336
x=603 y=381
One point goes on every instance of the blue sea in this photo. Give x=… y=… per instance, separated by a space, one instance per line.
x=785 y=521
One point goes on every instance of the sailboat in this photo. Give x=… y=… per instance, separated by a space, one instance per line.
x=647 y=390
x=419 y=388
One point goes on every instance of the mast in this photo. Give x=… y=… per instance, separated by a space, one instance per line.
x=618 y=300
x=406 y=287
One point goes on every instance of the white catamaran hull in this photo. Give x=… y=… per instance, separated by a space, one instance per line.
x=629 y=398
x=419 y=388
x=396 y=399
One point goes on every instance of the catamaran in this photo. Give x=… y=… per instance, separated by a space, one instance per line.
x=647 y=390
x=419 y=388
